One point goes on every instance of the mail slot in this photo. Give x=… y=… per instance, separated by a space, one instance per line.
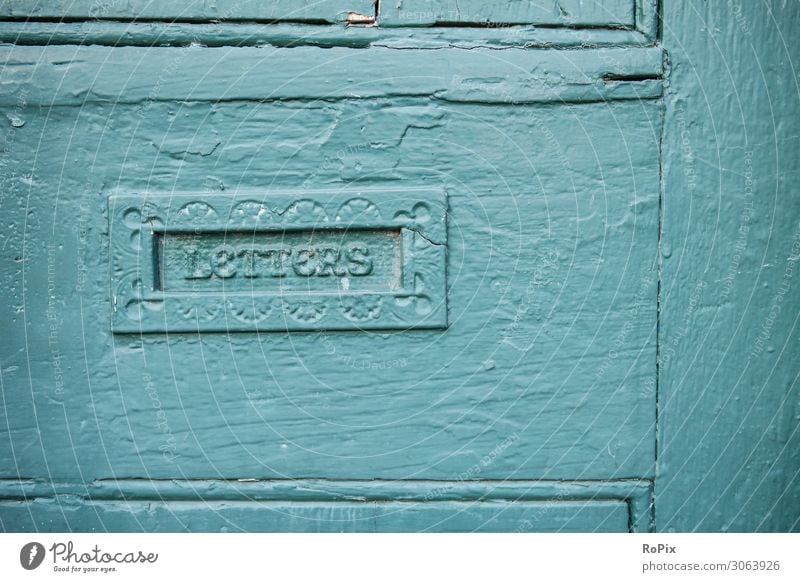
x=196 y=263
x=326 y=260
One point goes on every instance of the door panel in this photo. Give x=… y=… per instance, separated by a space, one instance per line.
x=637 y=15
x=489 y=516
x=538 y=365
x=571 y=12
x=180 y=505
x=191 y=10
x=730 y=397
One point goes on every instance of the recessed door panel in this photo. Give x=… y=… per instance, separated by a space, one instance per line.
x=285 y=275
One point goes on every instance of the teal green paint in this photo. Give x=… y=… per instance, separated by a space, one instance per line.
x=609 y=13
x=222 y=34
x=344 y=516
x=729 y=403
x=525 y=282
x=322 y=505
x=191 y=10
x=516 y=379
x=105 y=75
x=550 y=256
x=542 y=365
x=349 y=258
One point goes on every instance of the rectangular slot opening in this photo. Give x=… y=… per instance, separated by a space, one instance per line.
x=308 y=261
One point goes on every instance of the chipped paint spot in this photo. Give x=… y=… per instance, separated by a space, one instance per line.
x=356 y=19
x=16 y=121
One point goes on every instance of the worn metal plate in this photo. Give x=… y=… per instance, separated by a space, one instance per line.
x=295 y=261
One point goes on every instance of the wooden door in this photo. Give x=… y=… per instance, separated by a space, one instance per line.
x=334 y=267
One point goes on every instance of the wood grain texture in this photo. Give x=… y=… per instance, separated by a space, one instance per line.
x=187 y=10
x=136 y=76
x=546 y=370
x=324 y=505
x=729 y=401
x=282 y=516
x=182 y=34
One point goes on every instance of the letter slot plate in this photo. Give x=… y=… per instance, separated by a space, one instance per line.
x=342 y=260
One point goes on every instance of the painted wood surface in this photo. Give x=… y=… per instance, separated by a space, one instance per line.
x=248 y=516
x=729 y=401
x=612 y=13
x=187 y=10
x=547 y=367
x=551 y=161
x=181 y=34
x=567 y=22
x=532 y=408
x=132 y=76
x=324 y=505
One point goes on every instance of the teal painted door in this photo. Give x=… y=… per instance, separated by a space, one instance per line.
x=334 y=267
